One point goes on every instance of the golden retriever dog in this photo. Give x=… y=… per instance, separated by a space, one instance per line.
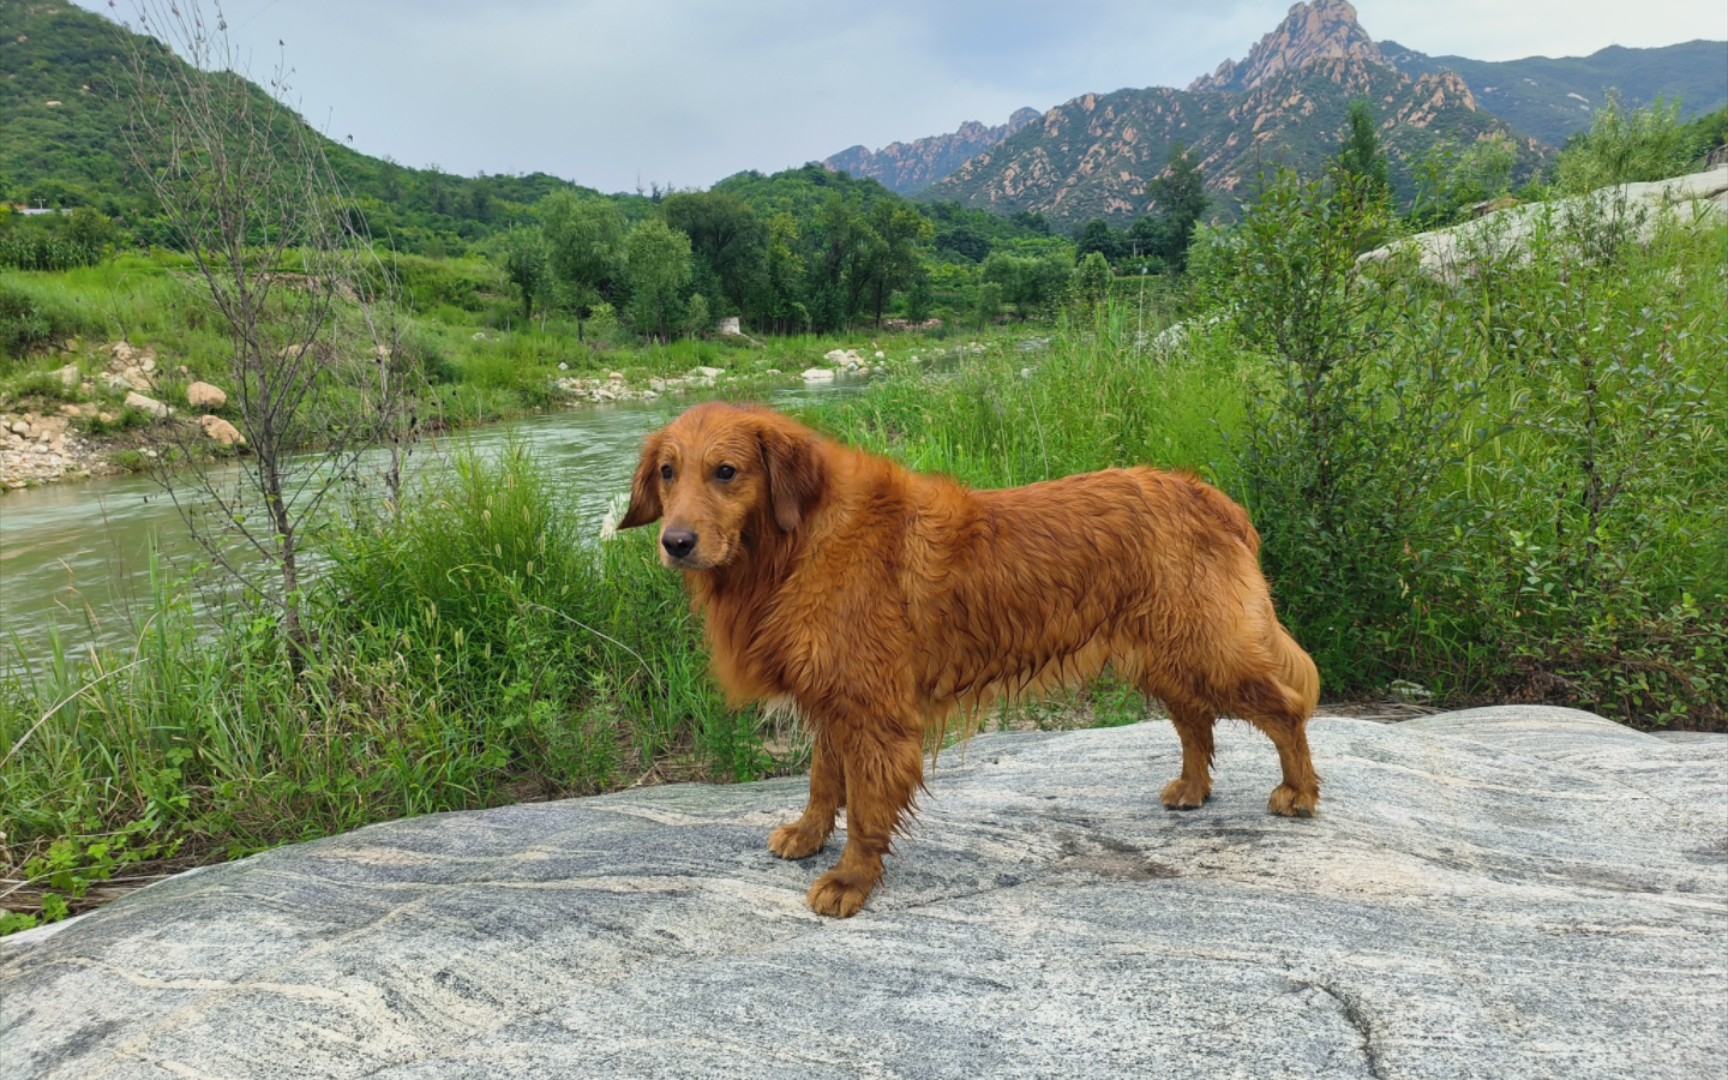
x=879 y=601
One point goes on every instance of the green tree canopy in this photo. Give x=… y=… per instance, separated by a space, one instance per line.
x=1098 y=236
x=1178 y=197
x=728 y=242
x=585 y=244
x=1625 y=146
x=1361 y=156
x=526 y=265
x=657 y=264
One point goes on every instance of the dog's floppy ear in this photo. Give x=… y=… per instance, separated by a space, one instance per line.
x=796 y=475
x=645 y=489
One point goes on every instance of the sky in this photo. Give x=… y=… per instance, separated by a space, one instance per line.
x=623 y=94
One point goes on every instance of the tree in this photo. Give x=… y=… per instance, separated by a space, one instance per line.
x=1361 y=158
x=964 y=241
x=697 y=320
x=899 y=230
x=1092 y=280
x=585 y=246
x=1145 y=237
x=783 y=273
x=728 y=242
x=1030 y=283
x=1098 y=237
x=313 y=371
x=657 y=267
x=919 y=297
x=1178 y=198
x=523 y=251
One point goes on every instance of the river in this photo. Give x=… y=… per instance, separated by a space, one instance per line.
x=75 y=556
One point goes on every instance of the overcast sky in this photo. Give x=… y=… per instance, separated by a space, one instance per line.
x=687 y=92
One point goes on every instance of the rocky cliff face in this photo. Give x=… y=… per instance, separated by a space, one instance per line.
x=909 y=167
x=1322 y=30
x=1092 y=157
x=1284 y=104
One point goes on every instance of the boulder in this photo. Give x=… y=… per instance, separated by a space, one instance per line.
x=1501 y=892
x=135 y=400
x=220 y=431
x=1502 y=233
x=132 y=378
x=201 y=395
x=847 y=358
x=69 y=376
x=707 y=372
x=817 y=374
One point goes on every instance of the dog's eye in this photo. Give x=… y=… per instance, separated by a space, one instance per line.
x=725 y=472
x=666 y=473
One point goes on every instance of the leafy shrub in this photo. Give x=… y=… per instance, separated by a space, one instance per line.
x=33 y=317
x=1345 y=439
x=1624 y=146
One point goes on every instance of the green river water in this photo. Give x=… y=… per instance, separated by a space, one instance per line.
x=75 y=557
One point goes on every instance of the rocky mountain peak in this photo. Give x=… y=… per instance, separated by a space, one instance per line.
x=906 y=167
x=1321 y=30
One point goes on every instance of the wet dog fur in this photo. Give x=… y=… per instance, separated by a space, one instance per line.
x=880 y=602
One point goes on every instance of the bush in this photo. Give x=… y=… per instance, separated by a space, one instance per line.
x=1345 y=440
x=32 y=318
x=1625 y=146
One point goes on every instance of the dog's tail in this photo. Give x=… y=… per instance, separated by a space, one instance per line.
x=1296 y=669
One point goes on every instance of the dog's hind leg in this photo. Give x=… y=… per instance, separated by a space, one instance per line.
x=1191 y=789
x=1278 y=712
x=884 y=766
x=806 y=836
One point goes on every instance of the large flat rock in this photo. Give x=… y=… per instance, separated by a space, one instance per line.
x=1513 y=892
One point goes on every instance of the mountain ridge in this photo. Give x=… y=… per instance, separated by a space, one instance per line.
x=1283 y=105
x=1286 y=119
x=907 y=167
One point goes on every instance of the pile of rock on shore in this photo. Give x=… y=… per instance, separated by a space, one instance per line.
x=42 y=447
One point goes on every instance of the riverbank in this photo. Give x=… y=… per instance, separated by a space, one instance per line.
x=123 y=358
x=71 y=423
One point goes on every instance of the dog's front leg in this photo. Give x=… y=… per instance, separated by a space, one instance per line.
x=806 y=836
x=884 y=766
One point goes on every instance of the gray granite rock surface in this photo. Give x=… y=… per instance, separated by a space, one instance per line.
x=1510 y=892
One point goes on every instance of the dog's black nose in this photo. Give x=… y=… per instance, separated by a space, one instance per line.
x=678 y=542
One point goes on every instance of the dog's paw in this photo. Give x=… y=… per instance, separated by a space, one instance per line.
x=1289 y=802
x=841 y=895
x=795 y=842
x=1182 y=794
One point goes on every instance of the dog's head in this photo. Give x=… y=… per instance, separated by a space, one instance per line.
x=719 y=474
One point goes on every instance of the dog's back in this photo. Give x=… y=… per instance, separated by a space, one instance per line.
x=1019 y=589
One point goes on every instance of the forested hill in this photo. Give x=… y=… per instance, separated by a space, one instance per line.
x=62 y=75
x=64 y=115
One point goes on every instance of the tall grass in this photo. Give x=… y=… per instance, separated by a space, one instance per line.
x=478 y=650
x=1095 y=393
